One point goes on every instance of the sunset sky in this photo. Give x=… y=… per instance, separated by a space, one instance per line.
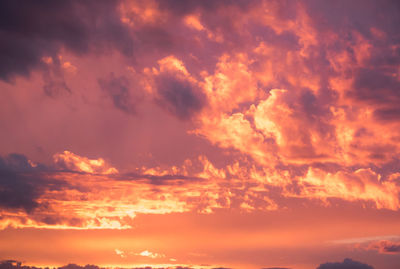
x=200 y=133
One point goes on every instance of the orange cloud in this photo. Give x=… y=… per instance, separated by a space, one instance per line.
x=149 y=254
x=120 y=253
x=361 y=185
x=92 y=200
x=75 y=162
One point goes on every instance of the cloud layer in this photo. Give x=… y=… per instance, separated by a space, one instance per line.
x=114 y=109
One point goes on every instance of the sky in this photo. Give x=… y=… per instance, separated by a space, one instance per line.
x=201 y=134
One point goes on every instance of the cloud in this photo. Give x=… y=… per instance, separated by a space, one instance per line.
x=31 y=31
x=70 y=161
x=78 y=182
x=362 y=184
x=390 y=247
x=346 y=264
x=121 y=92
x=196 y=186
x=120 y=253
x=304 y=97
x=178 y=96
x=385 y=246
x=53 y=77
x=20 y=185
x=176 y=90
x=149 y=254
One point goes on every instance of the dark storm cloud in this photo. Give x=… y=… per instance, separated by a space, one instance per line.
x=179 y=96
x=22 y=183
x=18 y=188
x=346 y=264
x=30 y=30
x=119 y=89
